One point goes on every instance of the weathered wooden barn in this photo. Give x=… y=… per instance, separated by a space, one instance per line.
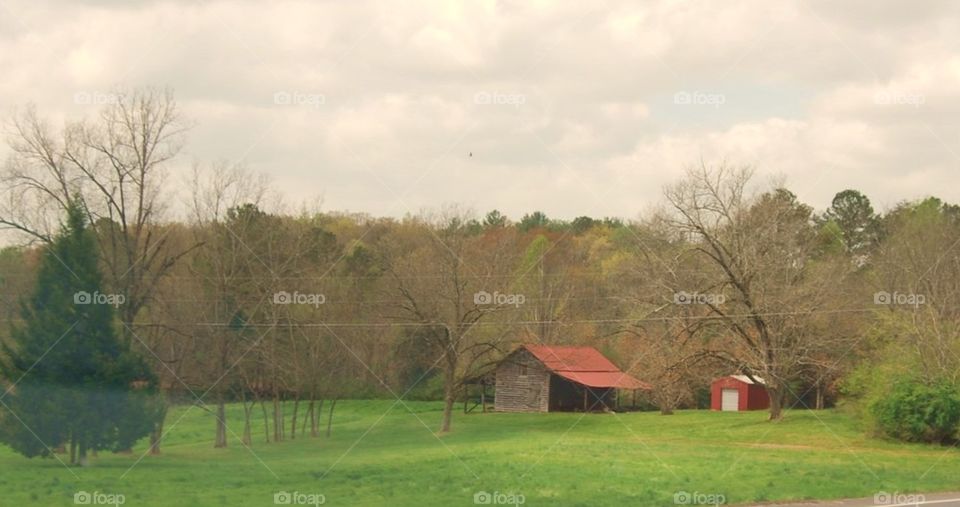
x=541 y=378
x=738 y=392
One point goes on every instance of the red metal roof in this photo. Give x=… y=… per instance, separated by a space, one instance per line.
x=584 y=365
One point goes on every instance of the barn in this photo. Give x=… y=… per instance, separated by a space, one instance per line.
x=737 y=392
x=542 y=378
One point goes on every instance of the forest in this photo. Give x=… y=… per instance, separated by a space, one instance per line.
x=220 y=292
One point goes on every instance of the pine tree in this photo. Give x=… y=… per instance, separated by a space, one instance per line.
x=71 y=380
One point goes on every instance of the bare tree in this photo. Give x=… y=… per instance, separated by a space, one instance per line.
x=762 y=254
x=672 y=335
x=115 y=166
x=441 y=281
x=225 y=204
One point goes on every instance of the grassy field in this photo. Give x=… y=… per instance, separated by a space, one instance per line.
x=383 y=456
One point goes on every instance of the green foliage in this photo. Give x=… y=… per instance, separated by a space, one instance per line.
x=71 y=375
x=535 y=220
x=856 y=224
x=533 y=256
x=917 y=412
x=494 y=220
x=830 y=238
x=582 y=224
x=613 y=222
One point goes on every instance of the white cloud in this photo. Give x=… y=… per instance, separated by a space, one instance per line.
x=597 y=132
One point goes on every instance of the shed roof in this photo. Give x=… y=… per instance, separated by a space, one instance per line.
x=746 y=380
x=584 y=365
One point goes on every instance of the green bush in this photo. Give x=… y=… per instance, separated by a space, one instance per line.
x=917 y=412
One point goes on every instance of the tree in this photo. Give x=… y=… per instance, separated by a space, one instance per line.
x=226 y=217
x=582 y=224
x=535 y=220
x=859 y=226
x=443 y=279
x=115 y=166
x=671 y=338
x=72 y=380
x=762 y=254
x=494 y=219
x=548 y=288
x=916 y=279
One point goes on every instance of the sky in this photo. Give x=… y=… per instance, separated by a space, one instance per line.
x=572 y=108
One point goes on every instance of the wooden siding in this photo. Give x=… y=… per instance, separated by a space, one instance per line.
x=752 y=396
x=522 y=393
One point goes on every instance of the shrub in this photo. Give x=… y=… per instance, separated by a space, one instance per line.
x=914 y=411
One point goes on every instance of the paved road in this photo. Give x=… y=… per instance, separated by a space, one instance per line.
x=889 y=500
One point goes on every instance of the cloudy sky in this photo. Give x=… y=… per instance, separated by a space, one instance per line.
x=578 y=108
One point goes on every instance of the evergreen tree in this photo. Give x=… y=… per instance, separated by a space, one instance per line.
x=71 y=380
x=535 y=220
x=858 y=225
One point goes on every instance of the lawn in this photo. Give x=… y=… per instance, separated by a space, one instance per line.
x=382 y=454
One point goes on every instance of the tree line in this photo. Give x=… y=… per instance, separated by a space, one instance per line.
x=241 y=299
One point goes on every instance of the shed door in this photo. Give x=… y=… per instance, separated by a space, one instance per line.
x=730 y=400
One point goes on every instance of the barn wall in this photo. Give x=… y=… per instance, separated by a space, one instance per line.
x=522 y=393
x=758 y=399
x=752 y=396
x=716 y=391
x=744 y=401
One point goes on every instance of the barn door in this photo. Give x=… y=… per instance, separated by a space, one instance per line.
x=730 y=400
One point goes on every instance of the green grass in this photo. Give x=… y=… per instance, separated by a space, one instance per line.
x=552 y=459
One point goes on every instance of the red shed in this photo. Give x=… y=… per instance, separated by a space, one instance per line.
x=738 y=392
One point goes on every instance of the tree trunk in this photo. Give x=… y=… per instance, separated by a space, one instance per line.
x=315 y=423
x=266 y=422
x=277 y=422
x=73 y=450
x=293 y=419
x=247 y=409
x=82 y=454
x=776 y=403
x=247 y=438
x=157 y=433
x=330 y=417
x=448 y=392
x=303 y=429
x=819 y=401
x=221 y=440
